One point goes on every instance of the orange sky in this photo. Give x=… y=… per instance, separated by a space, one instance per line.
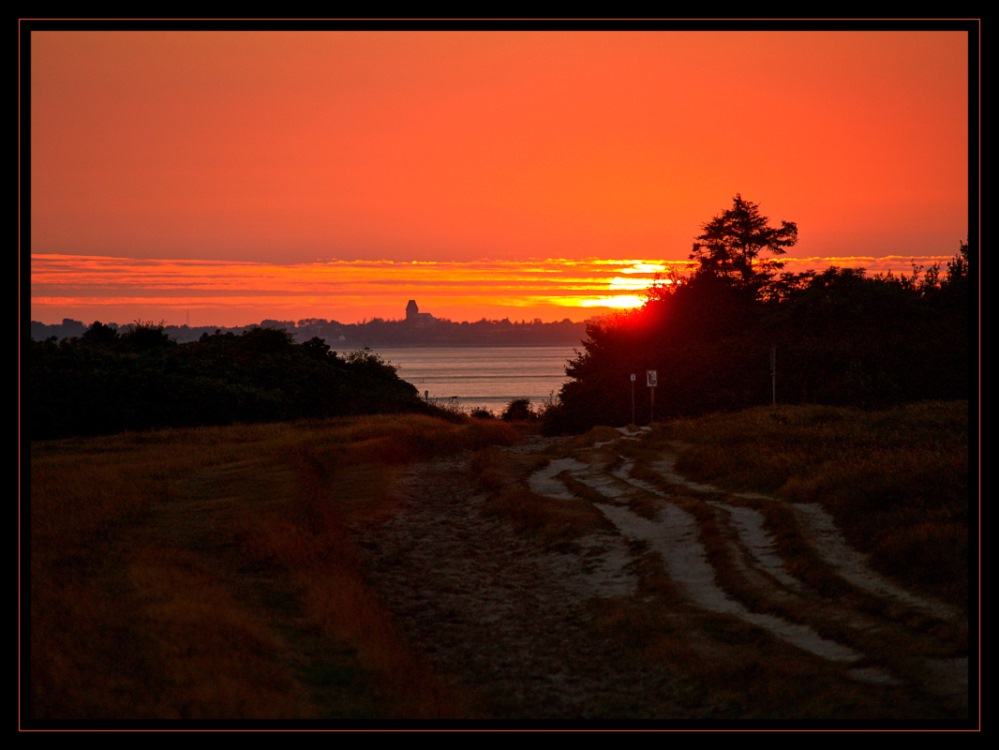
x=222 y=178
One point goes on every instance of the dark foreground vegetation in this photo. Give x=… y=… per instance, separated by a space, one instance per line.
x=106 y=381
x=835 y=337
x=207 y=573
x=896 y=480
x=218 y=573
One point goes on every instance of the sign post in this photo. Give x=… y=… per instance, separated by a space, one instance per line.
x=633 y=379
x=651 y=380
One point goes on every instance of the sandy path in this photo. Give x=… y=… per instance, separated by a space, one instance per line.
x=512 y=621
x=503 y=616
x=674 y=534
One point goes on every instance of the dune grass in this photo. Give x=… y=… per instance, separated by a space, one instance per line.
x=208 y=573
x=504 y=479
x=897 y=481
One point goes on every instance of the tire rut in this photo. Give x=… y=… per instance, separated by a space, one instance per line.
x=514 y=621
x=500 y=614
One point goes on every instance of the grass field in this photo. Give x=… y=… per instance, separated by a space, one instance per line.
x=897 y=481
x=208 y=573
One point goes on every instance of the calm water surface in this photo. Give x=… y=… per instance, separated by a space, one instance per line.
x=482 y=377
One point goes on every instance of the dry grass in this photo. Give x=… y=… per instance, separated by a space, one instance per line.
x=216 y=656
x=897 y=484
x=724 y=669
x=208 y=573
x=503 y=476
x=896 y=481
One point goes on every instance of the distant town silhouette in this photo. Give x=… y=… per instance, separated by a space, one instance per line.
x=415 y=329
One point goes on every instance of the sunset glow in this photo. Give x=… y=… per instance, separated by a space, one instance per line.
x=199 y=292
x=202 y=292
x=225 y=177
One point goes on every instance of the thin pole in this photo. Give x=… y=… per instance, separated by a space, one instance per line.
x=773 y=375
x=633 y=399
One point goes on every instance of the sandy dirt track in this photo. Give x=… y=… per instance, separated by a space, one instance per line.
x=516 y=623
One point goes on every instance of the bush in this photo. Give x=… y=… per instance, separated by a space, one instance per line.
x=104 y=382
x=519 y=410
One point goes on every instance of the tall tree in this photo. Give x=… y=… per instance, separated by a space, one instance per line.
x=730 y=244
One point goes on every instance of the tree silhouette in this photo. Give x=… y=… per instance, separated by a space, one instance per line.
x=845 y=338
x=730 y=244
x=104 y=382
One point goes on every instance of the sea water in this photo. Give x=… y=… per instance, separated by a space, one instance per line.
x=470 y=378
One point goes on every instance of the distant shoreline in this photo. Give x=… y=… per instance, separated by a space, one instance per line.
x=372 y=334
x=473 y=345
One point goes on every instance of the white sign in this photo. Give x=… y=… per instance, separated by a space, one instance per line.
x=632 y=377
x=651 y=378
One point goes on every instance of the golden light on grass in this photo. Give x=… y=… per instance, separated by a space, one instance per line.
x=884 y=475
x=208 y=573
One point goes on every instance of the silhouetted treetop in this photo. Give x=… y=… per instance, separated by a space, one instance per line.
x=730 y=244
x=843 y=337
